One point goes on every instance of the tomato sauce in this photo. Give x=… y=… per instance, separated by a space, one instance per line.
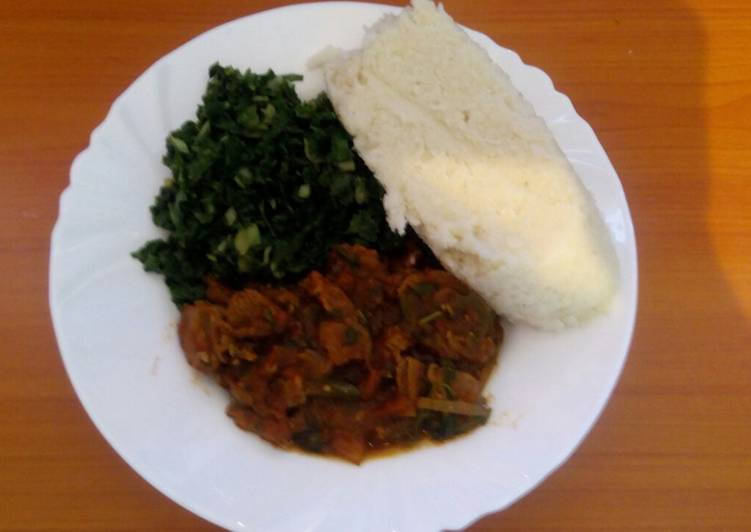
x=368 y=353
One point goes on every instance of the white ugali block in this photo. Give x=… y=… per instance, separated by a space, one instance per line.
x=465 y=160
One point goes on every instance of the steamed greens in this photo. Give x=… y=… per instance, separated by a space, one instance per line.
x=262 y=185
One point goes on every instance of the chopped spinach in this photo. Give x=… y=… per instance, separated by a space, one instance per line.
x=262 y=185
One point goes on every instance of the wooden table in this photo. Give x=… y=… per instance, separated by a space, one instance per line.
x=667 y=86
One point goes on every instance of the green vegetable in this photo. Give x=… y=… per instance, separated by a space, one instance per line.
x=262 y=185
x=443 y=419
x=247 y=238
x=430 y=317
x=446 y=406
x=350 y=336
x=304 y=191
x=309 y=439
x=423 y=289
x=440 y=426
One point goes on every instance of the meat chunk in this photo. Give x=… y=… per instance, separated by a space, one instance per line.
x=272 y=430
x=332 y=298
x=445 y=316
x=204 y=335
x=253 y=315
x=348 y=445
x=365 y=354
x=344 y=341
x=452 y=384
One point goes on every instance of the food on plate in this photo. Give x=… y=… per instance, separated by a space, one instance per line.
x=262 y=185
x=308 y=294
x=468 y=164
x=324 y=344
x=371 y=352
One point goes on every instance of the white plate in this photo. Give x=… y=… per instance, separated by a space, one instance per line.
x=115 y=324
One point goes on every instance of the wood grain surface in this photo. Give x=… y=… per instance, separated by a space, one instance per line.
x=666 y=84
